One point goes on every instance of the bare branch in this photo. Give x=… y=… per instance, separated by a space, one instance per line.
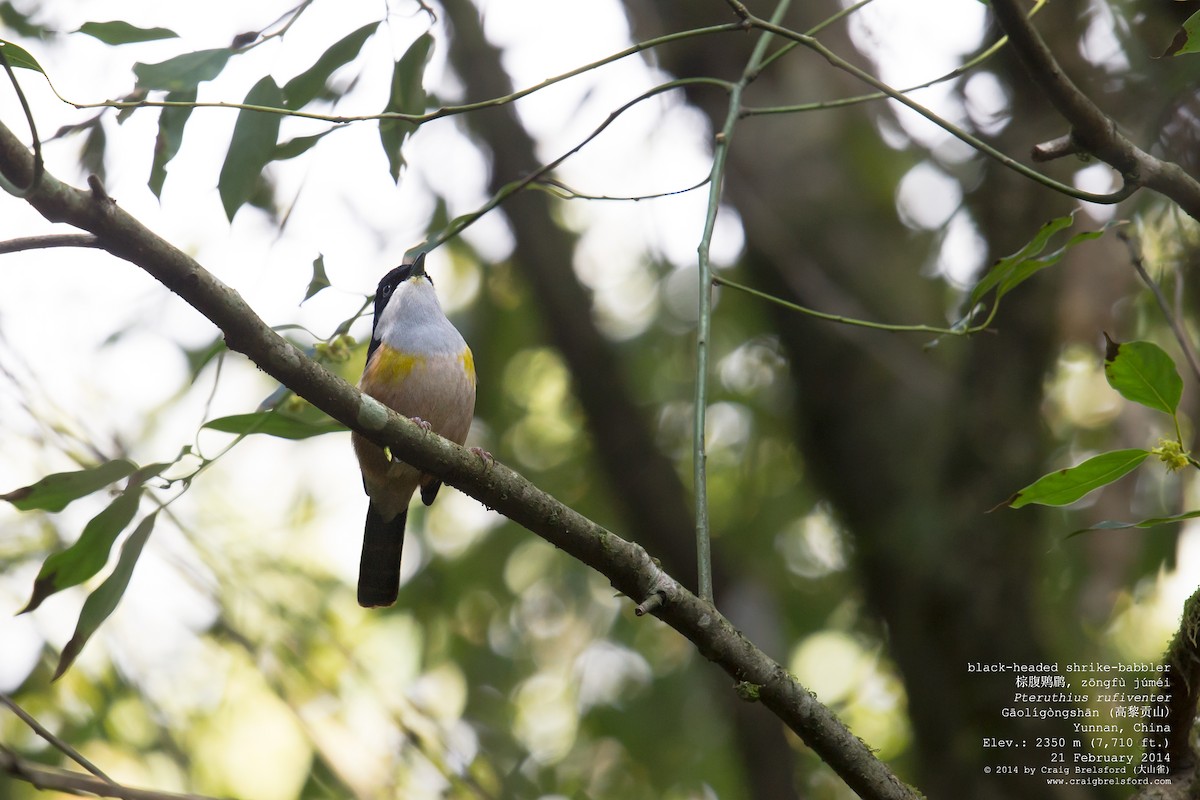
x=1064 y=145
x=42 y=242
x=60 y=780
x=56 y=742
x=1091 y=128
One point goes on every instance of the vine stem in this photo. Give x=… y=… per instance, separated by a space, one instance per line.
x=704 y=316
x=419 y=119
x=771 y=26
x=939 y=330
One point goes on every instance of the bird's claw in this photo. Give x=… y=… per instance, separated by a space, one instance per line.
x=422 y=424
x=484 y=456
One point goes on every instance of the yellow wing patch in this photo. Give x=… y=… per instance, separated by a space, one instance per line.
x=468 y=362
x=389 y=365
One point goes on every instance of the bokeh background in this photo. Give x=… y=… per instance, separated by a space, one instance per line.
x=850 y=470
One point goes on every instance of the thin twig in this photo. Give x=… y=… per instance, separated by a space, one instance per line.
x=1094 y=130
x=52 y=240
x=704 y=314
x=565 y=192
x=1139 y=264
x=844 y=320
x=1130 y=186
x=38 y=165
x=957 y=72
x=55 y=742
x=76 y=783
x=739 y=8
x=1061 y=147
x=537 y=175
x=420 y=119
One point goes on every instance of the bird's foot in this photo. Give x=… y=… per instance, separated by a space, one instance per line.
x=484 y=456
x=422 y=424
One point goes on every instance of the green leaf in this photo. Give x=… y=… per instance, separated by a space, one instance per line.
x=89 y=554
x=183 y=72
x=200 y=357
x=298 y=146
x=1068 y=485
x=1187 y=38
x=21 y=23
x=1144 y=373
x=103 y=601
x=251 y=148
x=273 y=423
x=319 y=279
x=19 y=57
x=121 y=32
x=91 y=157
x=1011 y=271
x=149 y=471
x=1116 y=525
x=306 y=86
x=171 y=121
x=55 y=492
x=407 y=97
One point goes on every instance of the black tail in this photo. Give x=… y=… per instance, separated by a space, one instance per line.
x=379 y=569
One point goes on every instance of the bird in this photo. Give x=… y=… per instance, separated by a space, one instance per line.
x=419 y=365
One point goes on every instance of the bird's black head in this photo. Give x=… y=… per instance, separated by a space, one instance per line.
x=387 y=285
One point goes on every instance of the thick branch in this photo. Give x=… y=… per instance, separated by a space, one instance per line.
x=629 y=568
x=1178 y=701
x=1091 y=129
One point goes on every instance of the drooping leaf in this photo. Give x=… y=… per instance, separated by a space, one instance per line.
x=407 y=97
x=298 y=146
x=319 y=279
x=121 y=32
x=1068 y=485
x=199 y=358
x=103 y=601
x=1011 y=271
x=21 y=23
x=143 y=474
x=1144 y=373
x=1152 y=522
x=183 y=72
x=171 y=121
x=274 y=424
x=89 y=554
x=306 y=86
x=19 y=57
x=1187 y=38
x=251 y=148
x=91 y=157
x=55 y=492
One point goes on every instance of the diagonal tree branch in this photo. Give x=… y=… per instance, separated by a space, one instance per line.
x=61 y=780
x=1092 y=130
x=628 y=566
x=58 y=743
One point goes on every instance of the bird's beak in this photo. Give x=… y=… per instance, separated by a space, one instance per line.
x=419 y=266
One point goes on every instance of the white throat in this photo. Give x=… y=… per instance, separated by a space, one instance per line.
x=413 y=321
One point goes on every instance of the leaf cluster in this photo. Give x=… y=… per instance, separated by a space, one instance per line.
x=1143 y=373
